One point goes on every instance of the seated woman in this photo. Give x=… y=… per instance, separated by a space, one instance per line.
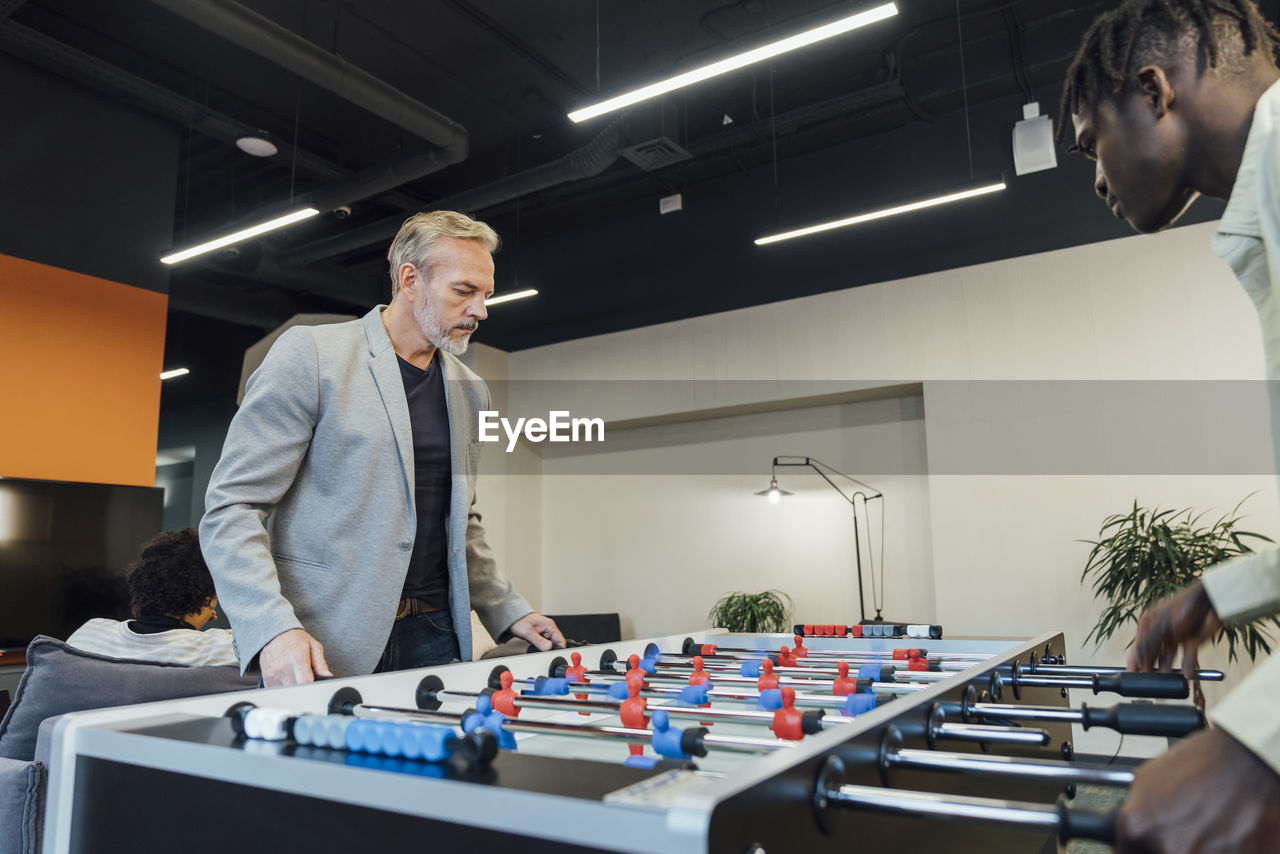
x=172 y=597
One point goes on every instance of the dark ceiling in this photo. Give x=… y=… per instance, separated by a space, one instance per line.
x=880 y=115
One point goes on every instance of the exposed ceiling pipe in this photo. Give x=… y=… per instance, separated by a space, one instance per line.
x=585 y=162
x=88 y=70
x=197 y=295
x=274 y=43
x=347 y=288
x=516 y=44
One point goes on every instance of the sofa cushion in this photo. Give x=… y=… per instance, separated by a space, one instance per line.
x=21 y=806
x=61 y=679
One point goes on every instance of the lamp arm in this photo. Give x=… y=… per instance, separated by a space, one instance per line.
x=819 y=466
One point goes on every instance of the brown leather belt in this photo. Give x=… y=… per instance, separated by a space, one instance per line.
x=411 y=606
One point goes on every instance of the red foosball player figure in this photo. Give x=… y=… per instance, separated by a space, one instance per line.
x=505 y=700
x=576 y=672
x=767 y=680
x=799 y=651
x=700 y=677
x=633 y=712
x=785 y=658
x=844 y=686
x=633 y=662
x=787 y=721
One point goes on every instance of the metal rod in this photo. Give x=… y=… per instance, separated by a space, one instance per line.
x=368 y=711
x=746 y=743
x=561 y=704
x=1067 y=820
x=812 y=701
x=746 y=652
x=631 y=735
x=946 y=806
x=1050 y=681
x=1050 y=769
x=1129 y=718
x=1068 y=670
x=876 y=687
x=991 y=734
x=1029 y=713
x=813 y=672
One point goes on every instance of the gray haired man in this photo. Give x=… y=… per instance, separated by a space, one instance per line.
x=340 y=522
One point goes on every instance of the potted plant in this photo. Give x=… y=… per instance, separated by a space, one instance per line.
x=1146 y=555
x=749 y=613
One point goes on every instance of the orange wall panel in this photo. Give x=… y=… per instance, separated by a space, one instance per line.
x=80 y=362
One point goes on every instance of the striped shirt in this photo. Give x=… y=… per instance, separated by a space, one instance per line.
x=175 y=646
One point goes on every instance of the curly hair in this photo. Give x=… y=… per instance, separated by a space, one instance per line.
x=170 y=576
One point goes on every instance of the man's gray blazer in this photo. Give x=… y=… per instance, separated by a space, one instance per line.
x=309 y=518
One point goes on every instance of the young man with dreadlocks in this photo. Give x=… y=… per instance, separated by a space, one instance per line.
x=1175 y=99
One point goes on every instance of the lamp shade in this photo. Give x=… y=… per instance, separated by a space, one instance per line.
x=773 y=493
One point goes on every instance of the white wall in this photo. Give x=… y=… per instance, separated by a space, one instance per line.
x=661 y=531
x=1017 y=474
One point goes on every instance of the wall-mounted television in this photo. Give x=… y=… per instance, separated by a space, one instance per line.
x=64 y=548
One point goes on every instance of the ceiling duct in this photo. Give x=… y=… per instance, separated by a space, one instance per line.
x=586 y=162
x=229 y=302
x=274 y=43
x=80 y=67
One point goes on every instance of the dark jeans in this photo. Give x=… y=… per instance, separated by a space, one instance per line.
x=420 y=640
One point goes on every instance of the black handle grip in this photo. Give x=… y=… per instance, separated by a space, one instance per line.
x=1145 y=719
x=1164 y=686
x=1080 y=823
x=691 y=741
x=811 y=721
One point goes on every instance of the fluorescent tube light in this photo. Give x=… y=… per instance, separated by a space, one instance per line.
x=236 y=237
x=509 y=297
x=176 y=372
x=826 y=31
x=894 y=211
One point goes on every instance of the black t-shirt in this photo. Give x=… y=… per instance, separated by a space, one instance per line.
x=156 y=623
x=428 y=577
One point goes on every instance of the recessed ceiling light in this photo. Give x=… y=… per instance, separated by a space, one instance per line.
x=257 y=146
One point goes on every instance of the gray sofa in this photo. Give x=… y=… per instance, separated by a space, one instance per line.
x=60 y=679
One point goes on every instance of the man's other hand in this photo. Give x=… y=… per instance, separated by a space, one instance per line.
x=1207 y=793
x=292 y=658
x=538 y=630
x=1185 y=619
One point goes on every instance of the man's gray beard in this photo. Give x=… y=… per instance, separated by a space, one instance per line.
x=437 y=333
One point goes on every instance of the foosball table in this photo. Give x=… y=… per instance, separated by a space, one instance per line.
x=706 y=742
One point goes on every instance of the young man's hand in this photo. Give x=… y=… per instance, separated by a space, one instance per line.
x=1207 y=793
x=1186 y=620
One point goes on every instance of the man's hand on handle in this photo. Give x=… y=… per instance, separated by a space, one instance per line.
x=292 y=658
x=1186 y=620
x=538 y=630
x=1206 y=793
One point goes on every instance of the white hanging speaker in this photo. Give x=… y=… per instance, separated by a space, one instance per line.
x=1033 y=149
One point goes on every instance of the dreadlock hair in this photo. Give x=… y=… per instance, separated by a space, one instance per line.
x=1138 y=31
